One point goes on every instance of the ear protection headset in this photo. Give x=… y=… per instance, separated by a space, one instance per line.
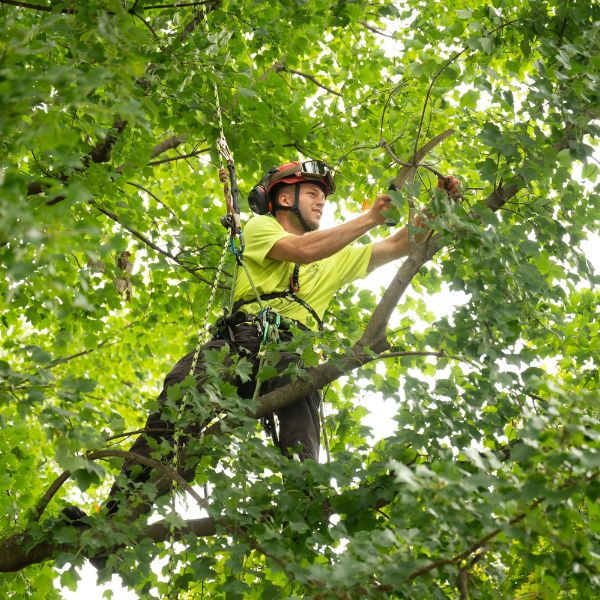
x=258 y=199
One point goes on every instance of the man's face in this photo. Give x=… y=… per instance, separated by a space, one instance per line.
x=312 y=202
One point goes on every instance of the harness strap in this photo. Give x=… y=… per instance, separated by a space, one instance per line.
x=289 y=295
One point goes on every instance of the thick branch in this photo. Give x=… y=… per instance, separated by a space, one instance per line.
x=375 y=330
x=373 y=340
x=101 y=153
x=393 y=156
x=168 y=144
x=149 y=462
x=21 y=550
x=502 y=194
x=131 y=456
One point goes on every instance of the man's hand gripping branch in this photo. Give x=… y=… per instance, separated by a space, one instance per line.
x=397 y=245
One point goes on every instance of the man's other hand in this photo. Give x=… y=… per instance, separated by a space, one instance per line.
x=451 y=185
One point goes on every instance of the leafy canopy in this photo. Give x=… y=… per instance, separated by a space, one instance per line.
x=488 y=486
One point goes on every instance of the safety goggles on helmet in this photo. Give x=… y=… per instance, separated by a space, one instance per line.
x=298 y=172
x=316 y=171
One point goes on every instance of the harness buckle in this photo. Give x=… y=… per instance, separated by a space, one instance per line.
x=269 y=319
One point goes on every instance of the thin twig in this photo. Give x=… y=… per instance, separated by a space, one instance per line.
x=375 y=30
x=428 y=95
x=281 y=67
x=441 y=354
x=152 y=195
x=178 y=157
x=183 y=5
x=475 y=546
x=436 y=76
x=138 y=432
x=149 y=27
x=104 y=344
x=145 y=240
x=386 y=105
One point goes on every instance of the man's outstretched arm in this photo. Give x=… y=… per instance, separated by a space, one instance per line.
x=317 y=245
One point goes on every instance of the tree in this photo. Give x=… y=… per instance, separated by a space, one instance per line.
x=110 y=236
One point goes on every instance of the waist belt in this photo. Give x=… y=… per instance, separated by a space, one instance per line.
x=289 y=295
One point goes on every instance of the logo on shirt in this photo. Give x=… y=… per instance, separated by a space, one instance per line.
x=313 y=269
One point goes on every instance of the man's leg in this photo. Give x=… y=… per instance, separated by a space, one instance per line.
x=300 y=427
x=160 y=430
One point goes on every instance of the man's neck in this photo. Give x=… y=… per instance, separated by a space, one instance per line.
x=289 y=221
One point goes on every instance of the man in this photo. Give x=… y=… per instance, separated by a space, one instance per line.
x=284 y=244
x=295 y=268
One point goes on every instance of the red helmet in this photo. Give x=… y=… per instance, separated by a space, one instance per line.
x=301 y=172
x=313 y=171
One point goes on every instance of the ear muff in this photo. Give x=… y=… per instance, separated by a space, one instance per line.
x=258 y=200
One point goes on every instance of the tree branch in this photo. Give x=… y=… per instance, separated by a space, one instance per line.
x=38 y=7
x=145 y=240
x=131 y=456
x=442 y=69
x=399 y=354
x=178 y=157
x=373 y=341
x=375 y=30
x=393 y=156
x=168 y=144
x=21 y=550
x=157 y=199
x=106 y=343
x=148 y=26
x=98 y=154
x=101 y=153
x=474 y=547
x=498 y=198
x=183 y=5
x=278 y=67
x=428 y=95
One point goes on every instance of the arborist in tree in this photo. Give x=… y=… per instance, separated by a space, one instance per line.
x=292 y=271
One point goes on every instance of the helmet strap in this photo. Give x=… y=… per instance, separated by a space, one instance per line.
x=296 y=208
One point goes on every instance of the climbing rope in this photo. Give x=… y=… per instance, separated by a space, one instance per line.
x=231 y=221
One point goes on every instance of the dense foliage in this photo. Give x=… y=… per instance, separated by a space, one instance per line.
x=108 y=164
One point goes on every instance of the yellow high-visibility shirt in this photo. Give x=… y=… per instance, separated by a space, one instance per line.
x=319 y=281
